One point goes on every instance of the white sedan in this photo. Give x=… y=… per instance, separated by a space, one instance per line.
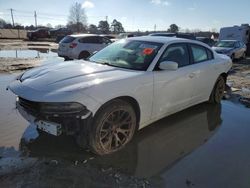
x=121 y=89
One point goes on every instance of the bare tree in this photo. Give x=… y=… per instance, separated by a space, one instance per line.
x=77 y=17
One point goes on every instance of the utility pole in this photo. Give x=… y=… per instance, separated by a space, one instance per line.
x=13 y=23
x=155 y=27
x=106 y=17
x=35 y=19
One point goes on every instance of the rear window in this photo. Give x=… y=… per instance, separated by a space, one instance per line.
x=199 y=53
x=67 y=39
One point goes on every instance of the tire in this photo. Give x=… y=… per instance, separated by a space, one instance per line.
x=66 y=59
x=84 y=55
x=113 y=127
x=232 y=57
x=218 y=91
x=244 y=55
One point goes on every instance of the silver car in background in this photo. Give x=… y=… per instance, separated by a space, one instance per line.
x=232 y=48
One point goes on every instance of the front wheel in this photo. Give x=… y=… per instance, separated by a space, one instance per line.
x=113 y=127
x=84 y=55
x=218 y=90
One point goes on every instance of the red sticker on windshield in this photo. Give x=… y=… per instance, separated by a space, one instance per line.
x=148 y=51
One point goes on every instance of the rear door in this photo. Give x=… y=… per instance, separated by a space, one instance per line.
x=90 y=44
x=205 y=73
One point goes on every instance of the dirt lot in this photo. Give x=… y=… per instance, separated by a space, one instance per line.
x=239 y=81
x=43 y=161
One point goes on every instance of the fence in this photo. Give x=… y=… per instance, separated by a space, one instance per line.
x=13 y=34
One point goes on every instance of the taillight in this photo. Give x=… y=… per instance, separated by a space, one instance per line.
x=73 y=45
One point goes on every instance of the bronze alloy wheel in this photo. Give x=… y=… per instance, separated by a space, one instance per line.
x=220 y=88
x=113 y=127
x=116 y=130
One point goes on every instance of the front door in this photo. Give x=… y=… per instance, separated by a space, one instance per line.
x=173 y=90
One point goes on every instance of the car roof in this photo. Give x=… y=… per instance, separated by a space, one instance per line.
x=152 y=34
x=159 y=39
x=82 y=35
x=228 y=40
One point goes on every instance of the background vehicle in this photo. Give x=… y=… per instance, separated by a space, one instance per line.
x=59 y=33
x=177 y=35
x=239 y=33
x=122 y=88
x=123 y=36
x=81 y=46
x=108 y=36
x=232 y=48
x=206 y=40
x=39 y=33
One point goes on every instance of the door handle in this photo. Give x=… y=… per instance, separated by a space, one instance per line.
x=191 y=75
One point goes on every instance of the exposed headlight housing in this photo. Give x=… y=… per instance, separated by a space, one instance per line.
x=62 y=108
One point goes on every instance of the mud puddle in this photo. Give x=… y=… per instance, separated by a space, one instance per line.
x=22 y=59
x=184 y=150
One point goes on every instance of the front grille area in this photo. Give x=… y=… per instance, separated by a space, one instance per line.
x=30 y=106
x=71 y=123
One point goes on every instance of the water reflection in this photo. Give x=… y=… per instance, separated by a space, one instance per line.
x=152 y=150
x=29 y=53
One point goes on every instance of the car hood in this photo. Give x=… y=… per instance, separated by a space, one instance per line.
x=71 y=76
x=222 y=49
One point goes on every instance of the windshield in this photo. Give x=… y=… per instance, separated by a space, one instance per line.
x=225 y=44
x=130 y=54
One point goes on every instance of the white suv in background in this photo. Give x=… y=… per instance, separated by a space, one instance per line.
x=81 y=46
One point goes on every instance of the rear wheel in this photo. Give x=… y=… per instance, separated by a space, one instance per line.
x=218 y=90
x=232 y=57
x=84 y=55
x=113 y=127
x=244 y=55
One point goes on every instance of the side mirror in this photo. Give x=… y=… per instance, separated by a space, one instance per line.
x=168 y=65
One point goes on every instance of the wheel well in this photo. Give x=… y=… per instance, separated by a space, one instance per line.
x=132 y=102
x=82 y=52
x=85 y=51
x=224 y=75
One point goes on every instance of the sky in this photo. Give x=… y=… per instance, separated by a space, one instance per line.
x=135 y=15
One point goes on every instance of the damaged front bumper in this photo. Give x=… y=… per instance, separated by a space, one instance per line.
x=70 y=123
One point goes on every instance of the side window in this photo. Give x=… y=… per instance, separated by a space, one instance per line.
x=177 y=53
x=91 y=39
x=210 y=54
x=237 y=44
x=199 y=53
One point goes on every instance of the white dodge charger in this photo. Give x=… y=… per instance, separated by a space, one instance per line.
x=121 y=89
